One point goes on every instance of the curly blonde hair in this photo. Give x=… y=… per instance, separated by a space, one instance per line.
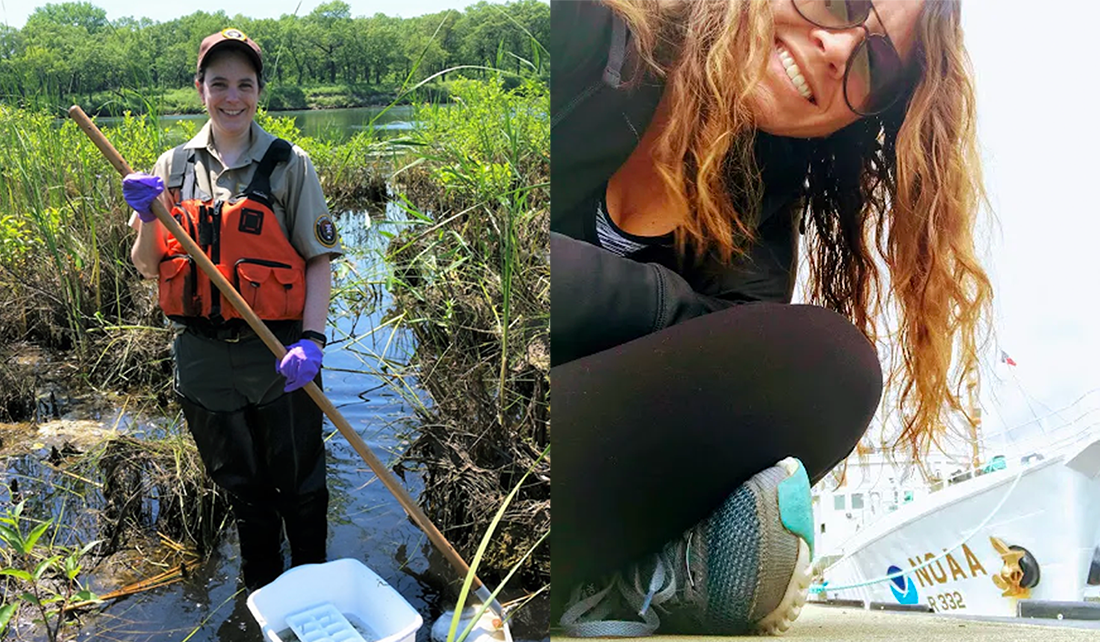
x=892 y=198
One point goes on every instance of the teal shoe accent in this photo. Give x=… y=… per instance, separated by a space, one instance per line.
x=795 y=510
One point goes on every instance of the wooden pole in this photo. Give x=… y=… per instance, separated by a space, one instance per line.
x=260 y=328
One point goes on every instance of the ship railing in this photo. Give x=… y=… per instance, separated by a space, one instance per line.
x=1083 y=427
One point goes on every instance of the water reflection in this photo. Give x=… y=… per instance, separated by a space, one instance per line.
x=329 y=124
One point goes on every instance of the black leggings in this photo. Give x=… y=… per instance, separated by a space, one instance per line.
x=652 y=435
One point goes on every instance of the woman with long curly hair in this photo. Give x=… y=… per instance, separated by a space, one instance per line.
x=694 y=144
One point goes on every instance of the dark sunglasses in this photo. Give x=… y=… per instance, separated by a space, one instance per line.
x=874 y=76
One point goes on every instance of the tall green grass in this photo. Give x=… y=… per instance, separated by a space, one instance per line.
x=64 y=266
x=469 y=275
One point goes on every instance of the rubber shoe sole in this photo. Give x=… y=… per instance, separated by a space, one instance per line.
x=796 y=515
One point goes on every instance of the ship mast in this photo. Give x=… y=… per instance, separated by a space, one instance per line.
x=974 y=418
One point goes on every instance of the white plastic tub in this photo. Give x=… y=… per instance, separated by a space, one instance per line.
x=376 y=611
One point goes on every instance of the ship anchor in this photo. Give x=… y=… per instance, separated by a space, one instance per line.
x=1020 y=572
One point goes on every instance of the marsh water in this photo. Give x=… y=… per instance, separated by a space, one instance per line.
x=333 y=124
x=365 y=522
x=342 y=123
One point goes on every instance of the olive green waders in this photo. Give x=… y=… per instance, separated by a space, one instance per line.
x=261 y=445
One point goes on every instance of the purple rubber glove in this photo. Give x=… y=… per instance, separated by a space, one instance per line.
x=140 y=190
x=301 y=364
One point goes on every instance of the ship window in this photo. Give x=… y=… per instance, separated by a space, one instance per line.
x=908 y=496
x=838 y=502
x=857 y=501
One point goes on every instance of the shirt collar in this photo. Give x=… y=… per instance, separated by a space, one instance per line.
x=261 y=140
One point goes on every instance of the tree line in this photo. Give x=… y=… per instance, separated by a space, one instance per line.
x=71 y=48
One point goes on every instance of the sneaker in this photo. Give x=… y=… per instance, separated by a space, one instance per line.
x=743 y=569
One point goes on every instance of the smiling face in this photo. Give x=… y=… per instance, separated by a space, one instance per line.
x=229 y=90
x=814 y=106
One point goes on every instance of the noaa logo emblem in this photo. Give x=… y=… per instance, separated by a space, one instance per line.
x=903 y=588
x=235 y=34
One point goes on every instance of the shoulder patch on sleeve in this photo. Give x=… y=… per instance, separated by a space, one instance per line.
x=325 y=231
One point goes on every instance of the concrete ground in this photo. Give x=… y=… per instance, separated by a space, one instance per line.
x=837 y=624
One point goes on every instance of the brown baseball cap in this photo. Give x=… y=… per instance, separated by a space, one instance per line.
x=231 y=38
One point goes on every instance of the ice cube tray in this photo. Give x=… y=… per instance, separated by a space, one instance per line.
x=322 y=623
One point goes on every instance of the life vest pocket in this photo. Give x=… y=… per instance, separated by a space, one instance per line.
x=177 y=286
x=274 y=290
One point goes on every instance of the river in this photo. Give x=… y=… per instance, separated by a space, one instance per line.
x=333 y=124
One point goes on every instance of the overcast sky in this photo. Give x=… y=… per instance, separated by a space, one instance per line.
x=1040 y=137
x=1040 y=140
x=14 y=12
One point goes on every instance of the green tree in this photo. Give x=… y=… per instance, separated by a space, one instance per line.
x=41 y=71
x=10 y=42
x=422 y=41
x=327 y=30
x=378 y=40
x=486 y=29
x=70 y=50
x=83 y=15
x=292 y=52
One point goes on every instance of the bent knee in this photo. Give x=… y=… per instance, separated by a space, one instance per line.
x=856 y=361
x=850 y=381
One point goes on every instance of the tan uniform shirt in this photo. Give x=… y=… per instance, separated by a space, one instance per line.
x=299 y=205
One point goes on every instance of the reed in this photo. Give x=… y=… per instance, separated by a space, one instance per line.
x=65 y=274
x=469 y=276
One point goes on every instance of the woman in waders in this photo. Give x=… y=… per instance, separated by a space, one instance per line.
x=254 y=204
x=694 y=146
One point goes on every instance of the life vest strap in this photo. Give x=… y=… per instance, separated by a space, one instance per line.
x=177 y=166
x=277 y=152
x=232 y=330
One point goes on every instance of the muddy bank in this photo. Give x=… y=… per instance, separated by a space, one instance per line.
x=482 y=355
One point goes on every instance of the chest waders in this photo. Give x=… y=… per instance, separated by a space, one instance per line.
x=268 y=455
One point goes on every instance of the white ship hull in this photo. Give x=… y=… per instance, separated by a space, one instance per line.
x=1053 y=512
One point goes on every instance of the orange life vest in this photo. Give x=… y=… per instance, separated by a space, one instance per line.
x=244 y=240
